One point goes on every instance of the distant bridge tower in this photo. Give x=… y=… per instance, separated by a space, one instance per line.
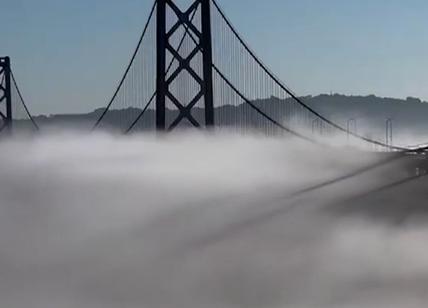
x=200 y=33
x=5 y=95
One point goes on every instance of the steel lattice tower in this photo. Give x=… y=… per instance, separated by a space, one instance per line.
x=5 y=94
x=203 y=45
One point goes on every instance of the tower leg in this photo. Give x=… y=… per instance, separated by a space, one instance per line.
x=207 y=63
x=161 y=85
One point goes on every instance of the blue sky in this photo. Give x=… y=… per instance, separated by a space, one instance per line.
x=69 y=54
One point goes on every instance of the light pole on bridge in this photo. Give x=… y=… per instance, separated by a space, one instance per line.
x=351 y=122
x=388 y=132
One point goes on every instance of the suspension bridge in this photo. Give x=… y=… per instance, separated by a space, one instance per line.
x=191 y=68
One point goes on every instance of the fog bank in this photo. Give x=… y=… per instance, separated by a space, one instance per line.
x=194 y=220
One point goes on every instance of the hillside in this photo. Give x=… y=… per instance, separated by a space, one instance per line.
x=409 y=116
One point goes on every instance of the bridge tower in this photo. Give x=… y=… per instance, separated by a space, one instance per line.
x=5 y=94
x=201 y=36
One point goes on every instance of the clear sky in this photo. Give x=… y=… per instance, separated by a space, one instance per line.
x=69 y=54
